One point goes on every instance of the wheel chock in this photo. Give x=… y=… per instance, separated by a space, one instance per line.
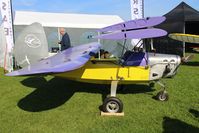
x=111 y=114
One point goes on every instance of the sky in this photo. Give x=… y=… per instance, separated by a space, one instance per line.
x=109 y=7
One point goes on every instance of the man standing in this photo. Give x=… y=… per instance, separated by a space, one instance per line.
x=65 y=41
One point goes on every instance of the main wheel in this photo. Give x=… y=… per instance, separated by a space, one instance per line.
x=162 y=96
x=112 y=105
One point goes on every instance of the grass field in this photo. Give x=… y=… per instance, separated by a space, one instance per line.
x=53 y=105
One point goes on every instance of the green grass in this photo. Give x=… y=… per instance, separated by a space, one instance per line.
x=53 y=105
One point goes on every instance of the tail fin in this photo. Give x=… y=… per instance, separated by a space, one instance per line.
x=31 y=45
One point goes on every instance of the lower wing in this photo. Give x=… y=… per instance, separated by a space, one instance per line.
x=67 y=60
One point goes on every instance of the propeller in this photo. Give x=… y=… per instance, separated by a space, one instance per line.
x=187 y=58
x=184 y=60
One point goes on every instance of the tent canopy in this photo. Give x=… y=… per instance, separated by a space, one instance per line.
x=183 y=12
x=65 y=20
x=177 y=17
x=79 y=27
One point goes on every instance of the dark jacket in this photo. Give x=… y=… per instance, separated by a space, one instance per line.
x=65 y=42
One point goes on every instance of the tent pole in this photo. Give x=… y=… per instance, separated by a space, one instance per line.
x=151 y=40
x=142 y=8
x=184 y=31
x=14 y=63
x=59 y=37
x=98 y=33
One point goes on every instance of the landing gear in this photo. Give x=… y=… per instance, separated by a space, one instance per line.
x=162 y=95
x=113 y=104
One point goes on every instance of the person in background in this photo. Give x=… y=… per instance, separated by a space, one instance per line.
x=65 y=41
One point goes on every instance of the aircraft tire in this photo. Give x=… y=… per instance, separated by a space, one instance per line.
x=112 y=105
x=162 y=96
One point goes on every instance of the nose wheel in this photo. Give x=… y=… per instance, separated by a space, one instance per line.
x=162 y=96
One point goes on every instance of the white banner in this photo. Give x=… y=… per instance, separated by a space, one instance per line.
x=137 y=9
x=6 y=13
x=137 y=12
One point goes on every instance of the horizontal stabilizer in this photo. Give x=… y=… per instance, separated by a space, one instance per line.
x=134 y=24
x=67 y=60
x=134 y=34
x=185 y=37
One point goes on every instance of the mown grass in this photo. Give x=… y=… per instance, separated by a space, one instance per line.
x=53 y=105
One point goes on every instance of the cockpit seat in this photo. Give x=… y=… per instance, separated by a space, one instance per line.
x=135 y=58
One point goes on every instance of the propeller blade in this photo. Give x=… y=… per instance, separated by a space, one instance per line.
x=187 y=58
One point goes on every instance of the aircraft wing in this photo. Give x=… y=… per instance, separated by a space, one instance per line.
x=134 y=34
x=134 y=24
x=133 y=29
x=185 y=37
x=67 y=60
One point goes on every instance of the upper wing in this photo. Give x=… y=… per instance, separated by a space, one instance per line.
x=70 y=59
x=134 y=34
x=185 y=37
x=134 y=24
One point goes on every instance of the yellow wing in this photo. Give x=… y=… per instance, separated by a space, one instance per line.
x=185 y=37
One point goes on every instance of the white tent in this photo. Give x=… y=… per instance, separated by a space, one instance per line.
x=78 y=26
x=65 y=20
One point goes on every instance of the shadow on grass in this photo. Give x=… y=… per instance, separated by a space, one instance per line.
x=55 y=92
x=195 y=63
x=176 y=126
x=194 y=112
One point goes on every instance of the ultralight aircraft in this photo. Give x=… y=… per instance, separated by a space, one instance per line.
x=78 y=63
